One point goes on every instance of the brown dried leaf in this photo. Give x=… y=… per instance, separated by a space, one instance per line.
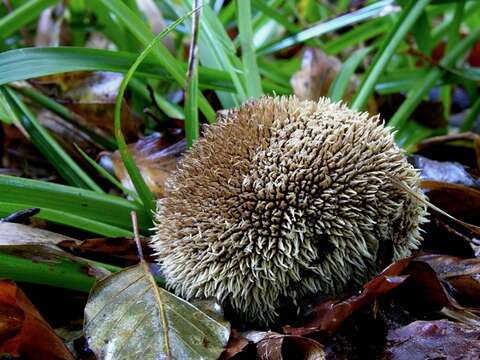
x=155 y=156
x=328 y=316
x=441 y=339
x=92 y=96
x=117 y=251
x=236 y=344
x=317 y=74
x=463 y=275
x=23 y=331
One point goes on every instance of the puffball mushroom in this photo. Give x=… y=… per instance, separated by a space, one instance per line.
x=283 y=198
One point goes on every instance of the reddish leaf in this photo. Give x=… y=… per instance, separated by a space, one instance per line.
x=328 y=316
x=440 y=339
x=463 y=275
x=236 y=344
x=118 y=251
x=23 y=331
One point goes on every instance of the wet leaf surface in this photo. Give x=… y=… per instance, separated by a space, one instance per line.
x=328 y=316
x=128 y=316
x=441 y=339
x=23 y=331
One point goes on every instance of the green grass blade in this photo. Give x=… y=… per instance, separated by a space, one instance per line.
x=106 y=174
x=325 y=27
x=407 y=19
x=47 y=145
x=471 y=116
x=340 y=85
x=71 y=206
x=250 y=67
x=363 y=32
x=416 y=94
x=143 y=191
x=22 y=15
x=141 y=32
x=27 y=63
x=192 y=127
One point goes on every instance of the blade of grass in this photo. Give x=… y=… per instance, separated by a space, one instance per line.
x=217 y=51
x=141 y=32
x=340 y=85
x=70 y=205
x=107 y=175
x=363 y=32
x=407 y=19
x=27 y=63
x=192 y=130
x=142 y=189
x=47 y=145
x=471 y=116
x=421 y=88
x=370 y=11
x=250 y=67
x=22 y=15
x=453 y=36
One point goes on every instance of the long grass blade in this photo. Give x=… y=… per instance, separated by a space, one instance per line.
x=192 y=131
x=407 y=19
x=249 y=60
x=47 y=145
x=143 y=191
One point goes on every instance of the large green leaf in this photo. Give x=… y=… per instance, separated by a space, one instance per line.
x=129 y=317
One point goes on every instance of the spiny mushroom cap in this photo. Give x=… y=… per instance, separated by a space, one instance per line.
x=282 y=198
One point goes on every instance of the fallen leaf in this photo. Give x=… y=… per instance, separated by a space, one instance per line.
x=18 y=234
x=155 y=156
x=128 y=316
x=460 y=201
x=441 y=339
x=317 y=74
x=444 y=171
x=275 y=346
x=329 y=316
x=116 y=251
x=23 y=331
x=91 y=95
x=463 y=275
x=236 y=344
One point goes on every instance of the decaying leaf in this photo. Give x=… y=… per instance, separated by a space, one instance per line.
x=463 y=275
x=441 y=339
x=444 y=171
x=328 y=316
x=156 y=157
x=17 y=234
x=23 y=331
x=317 y=74
x=117 y=251
x=90 y=95
x=275 y=346
x=129 y=317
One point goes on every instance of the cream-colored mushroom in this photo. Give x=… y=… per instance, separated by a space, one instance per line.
x=283 y=198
